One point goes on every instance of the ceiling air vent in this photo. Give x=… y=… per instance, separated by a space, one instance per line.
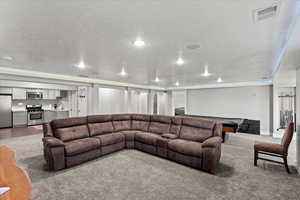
x=83 y=76
x=266 y=13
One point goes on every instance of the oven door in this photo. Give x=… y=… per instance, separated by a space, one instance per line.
x=36 y=116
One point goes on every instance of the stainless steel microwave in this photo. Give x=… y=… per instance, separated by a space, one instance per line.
x=34 y=95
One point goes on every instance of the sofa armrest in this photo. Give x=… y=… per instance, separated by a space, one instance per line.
x=53 y=142
x=211 y=154
x=212 y=142
x=47 y=130
x=54 y=153
x=218 y=129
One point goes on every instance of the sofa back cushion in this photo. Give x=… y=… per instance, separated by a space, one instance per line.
x=140 y=122
x=122 y=122
x=100 y=124
x=196 y=129
x=72 y=133
x=159 y=124
x=68 y=122
x=70 y=128
x=175 y=125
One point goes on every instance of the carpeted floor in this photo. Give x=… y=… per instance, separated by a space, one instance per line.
x=130 y=174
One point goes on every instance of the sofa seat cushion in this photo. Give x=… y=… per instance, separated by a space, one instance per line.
x=72 y=133
x=269 y=147
x=147 y=138
x=186 y=147
x=109 y=139
x=80 y=146
x=169 y=136
x=129 y=135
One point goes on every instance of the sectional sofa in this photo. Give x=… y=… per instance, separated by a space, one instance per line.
x=194 y=142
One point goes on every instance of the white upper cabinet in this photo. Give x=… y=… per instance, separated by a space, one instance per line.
x=19 y=93
x=45 y=94
x=51 y=94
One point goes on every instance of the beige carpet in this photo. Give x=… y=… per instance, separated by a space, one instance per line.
x=133 y=175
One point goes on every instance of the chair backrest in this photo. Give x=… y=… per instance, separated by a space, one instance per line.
x=287 y=137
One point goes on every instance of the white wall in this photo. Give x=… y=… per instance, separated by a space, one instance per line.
x=179 y=99
x=111 y=101
x=297 y=120
x=240 y=102
x=138 y=101
x=162 y=103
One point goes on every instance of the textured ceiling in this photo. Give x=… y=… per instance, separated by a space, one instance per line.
x=52 y=36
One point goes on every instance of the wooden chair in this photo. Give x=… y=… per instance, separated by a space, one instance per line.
x=276 y=150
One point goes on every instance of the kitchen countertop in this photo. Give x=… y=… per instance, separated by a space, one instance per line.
x=18 y=110
x=58 y=110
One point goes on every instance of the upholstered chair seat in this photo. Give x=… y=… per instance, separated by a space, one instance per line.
x=269 y=147
x=277 y=150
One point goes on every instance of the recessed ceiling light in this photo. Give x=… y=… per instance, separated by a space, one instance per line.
x=80 y=65
x=139 y=42
x=219 y=80
x=156 y=80
x=123 y=72
x=206 y=73
x=177 y=83
x=9 y=58
x=180 y=61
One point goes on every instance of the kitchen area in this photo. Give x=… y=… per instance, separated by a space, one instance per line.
x=22 y=107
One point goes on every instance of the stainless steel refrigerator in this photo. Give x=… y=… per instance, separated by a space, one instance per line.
x=5 y=111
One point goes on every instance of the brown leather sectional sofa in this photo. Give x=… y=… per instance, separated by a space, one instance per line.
x=191 y=141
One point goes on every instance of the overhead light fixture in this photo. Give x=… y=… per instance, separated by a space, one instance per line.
x=8 y=58
x=123 y=72
x=139 y=42
x=180 y=61
x=219 y=80
x=156 y=80
x=81 y=65
x=206 y=73
x=177 y=83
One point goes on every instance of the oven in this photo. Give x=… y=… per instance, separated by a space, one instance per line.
x=35 y=114
x=35 y=117
x=34 y=95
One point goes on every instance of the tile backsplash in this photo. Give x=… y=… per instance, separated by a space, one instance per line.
x=47 y=104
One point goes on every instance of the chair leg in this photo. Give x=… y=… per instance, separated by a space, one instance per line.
x=286 y=164
x=255 y=157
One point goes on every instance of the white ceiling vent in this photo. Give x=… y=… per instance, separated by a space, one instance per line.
x=266 y=13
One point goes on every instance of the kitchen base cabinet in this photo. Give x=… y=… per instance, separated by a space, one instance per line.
x=19 y=118
x=52 y=115
x=49 y=116
x=62 y=114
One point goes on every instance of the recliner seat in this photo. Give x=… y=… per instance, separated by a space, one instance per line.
x=194 y=142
